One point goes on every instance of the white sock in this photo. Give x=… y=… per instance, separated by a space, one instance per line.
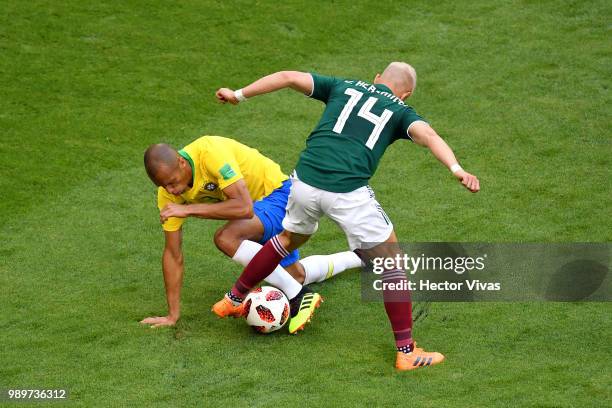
x=321 y=267
x=279 y=278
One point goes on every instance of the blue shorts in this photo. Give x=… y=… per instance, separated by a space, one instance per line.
x=271 y=210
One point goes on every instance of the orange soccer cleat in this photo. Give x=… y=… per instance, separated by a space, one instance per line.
x=418 y=358
x=225 y=307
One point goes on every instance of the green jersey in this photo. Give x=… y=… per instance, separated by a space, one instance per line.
x=359 y=122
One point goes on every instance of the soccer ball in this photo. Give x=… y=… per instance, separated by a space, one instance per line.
x=267 y=309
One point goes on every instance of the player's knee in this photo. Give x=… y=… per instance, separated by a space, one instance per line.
x=285 y=239
x=291 y=241
x=297 y=271
x=227 y=240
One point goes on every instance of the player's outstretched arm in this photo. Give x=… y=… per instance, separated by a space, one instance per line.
x=424 y=135
x=299 y=81
x=172 y=266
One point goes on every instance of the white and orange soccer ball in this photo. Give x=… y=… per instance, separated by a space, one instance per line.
x=267 y=309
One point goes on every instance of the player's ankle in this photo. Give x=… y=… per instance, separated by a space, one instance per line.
x=406 y=349
x=235 y=299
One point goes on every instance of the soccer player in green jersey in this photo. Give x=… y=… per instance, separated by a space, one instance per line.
x=342 y=153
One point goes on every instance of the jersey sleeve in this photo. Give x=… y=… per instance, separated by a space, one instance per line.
x=322 y=86
x=409 y=116
x=222 y=165
x=164 y=198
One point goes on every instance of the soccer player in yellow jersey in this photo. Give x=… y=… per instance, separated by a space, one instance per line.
x=219 y=178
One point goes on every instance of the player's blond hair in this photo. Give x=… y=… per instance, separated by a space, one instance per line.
x=402 y=75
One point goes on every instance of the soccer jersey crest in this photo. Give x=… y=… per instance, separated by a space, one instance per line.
x=210 y=186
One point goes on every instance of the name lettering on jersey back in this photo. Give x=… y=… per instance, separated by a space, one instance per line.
x=372 y=88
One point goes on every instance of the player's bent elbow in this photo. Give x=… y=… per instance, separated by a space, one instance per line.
x=286 y=76
x=292 y=79
x=247 y=212
x=244 y=211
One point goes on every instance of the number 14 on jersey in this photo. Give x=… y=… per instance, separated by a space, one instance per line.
x=365 y=112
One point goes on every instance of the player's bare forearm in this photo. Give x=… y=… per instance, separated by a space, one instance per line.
x=441 y=150
x=299 y=81
x=172 y=265
x=232 y=209
x=225 y=210
x=425 y=135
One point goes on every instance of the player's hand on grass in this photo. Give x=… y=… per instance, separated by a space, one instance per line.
x=468 y=180
x=173 y=210
x=225 y=95
x=159 y=321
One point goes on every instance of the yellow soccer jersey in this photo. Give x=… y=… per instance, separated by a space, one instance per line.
x=216 y=163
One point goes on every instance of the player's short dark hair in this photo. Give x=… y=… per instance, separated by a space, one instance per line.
x=158 y=155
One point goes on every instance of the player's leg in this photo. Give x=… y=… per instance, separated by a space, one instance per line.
x=270 y=212
x=368 y=229
x=317 y=268
x=296 y=270
x=304 y=304
x=242 y=239
x=239 y=239
x=261 y=266
x=398 y=306
x=278 y=247
x=264 y=262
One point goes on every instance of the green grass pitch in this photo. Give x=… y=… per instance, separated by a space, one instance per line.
x=519 y=89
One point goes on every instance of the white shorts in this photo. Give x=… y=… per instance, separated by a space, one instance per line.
x=358 y=213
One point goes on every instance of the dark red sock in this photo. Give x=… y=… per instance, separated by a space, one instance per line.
x=399 y=307
x=262 y=265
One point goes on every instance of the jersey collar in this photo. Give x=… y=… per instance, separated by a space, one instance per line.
x=186 y=156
